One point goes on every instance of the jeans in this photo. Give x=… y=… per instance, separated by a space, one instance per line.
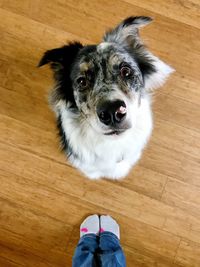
x=99 y=251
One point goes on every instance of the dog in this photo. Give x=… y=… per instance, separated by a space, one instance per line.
x=102 y=99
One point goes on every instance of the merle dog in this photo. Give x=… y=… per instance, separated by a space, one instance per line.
x=102 y=99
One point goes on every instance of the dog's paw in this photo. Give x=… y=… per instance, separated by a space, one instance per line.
x=94 y=175
x=120 y=170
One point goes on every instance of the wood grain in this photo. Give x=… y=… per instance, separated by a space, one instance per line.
x=42 y=198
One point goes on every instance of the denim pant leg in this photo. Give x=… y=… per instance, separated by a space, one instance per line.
x=111 y=251
x=85 y=253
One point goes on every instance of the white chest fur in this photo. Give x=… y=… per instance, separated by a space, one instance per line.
x=97 y=155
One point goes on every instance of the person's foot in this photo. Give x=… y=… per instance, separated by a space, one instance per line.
x=108 y=224
x=90 y=225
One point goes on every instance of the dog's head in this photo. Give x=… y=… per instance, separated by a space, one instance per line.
x=104 y=83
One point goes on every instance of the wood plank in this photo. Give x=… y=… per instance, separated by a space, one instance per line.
x=171 y=163
x=188 y=254
x=27 y=109
x=53 y=209
x=178 y=111
x=41 y=37
x=8 y=262
x=182 y=195
x=179 y=138
x=130 y=204
x=43 y=199
x=184 y=11
x=183 y=87
x=140 y=260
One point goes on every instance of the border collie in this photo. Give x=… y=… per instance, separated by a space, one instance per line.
x=102 y=99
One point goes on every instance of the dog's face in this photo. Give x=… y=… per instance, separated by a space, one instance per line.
x=104 y=83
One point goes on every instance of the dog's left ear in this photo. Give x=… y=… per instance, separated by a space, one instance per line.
x=126 y=34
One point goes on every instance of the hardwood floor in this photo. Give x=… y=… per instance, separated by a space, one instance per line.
x=42 y=198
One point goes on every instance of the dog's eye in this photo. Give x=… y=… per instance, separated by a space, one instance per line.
x=125 y=71
x=82 y=82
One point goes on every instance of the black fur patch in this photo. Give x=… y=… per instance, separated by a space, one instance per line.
x=61 y=60
x=63 y=140
x=136 y=20
x=88 y=49
x=145 y=63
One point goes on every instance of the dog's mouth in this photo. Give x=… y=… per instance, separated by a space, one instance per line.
x=116 y=132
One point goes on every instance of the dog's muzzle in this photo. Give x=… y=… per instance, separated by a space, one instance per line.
x=112 y=113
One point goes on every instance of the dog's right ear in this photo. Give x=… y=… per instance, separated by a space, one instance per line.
x=62 y=57
x=61 y=60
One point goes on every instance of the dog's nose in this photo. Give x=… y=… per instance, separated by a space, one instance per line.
x=112 y=112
